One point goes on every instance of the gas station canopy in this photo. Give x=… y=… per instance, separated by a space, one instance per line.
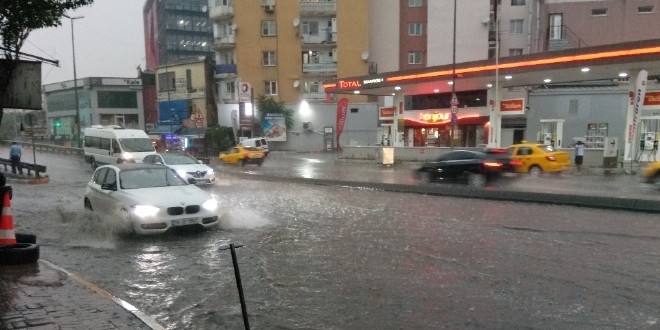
x=556 y=67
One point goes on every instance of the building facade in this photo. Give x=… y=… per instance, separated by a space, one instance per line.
x=101 y=101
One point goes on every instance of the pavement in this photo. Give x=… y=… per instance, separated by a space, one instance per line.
x=43 y=296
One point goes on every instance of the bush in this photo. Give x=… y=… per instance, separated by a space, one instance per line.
x=219 y=138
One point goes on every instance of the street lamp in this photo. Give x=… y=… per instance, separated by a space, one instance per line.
x=75 y=81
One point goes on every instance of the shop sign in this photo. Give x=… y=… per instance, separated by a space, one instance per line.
x=386 y=113
x=349 y=84
x=652 y=98
x=434 y=117
x=512 y=105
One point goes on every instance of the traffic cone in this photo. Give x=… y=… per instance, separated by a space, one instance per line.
x=7 y=234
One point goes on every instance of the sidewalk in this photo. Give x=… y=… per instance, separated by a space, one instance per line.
x=41 y=296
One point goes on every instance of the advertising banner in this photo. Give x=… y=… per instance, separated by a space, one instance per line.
x=274 y=127
x=638 y=99
x=342 y=109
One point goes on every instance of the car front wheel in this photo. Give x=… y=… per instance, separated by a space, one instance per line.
x=425 y=177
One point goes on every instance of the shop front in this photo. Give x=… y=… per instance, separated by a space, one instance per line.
x=435 y=128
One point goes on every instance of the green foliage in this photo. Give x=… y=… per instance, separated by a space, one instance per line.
x=219 y=138
x=8 y=128
x=266 y=104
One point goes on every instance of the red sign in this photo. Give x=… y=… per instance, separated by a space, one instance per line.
x=512 y=105
x=652 y=98
x=342 y=109
x=349 y=84
x=386 y=113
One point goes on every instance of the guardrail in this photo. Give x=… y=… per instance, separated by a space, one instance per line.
x=52 y=148
x=38 y=169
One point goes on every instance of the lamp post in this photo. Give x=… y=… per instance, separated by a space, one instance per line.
x=454 y=101
x=75 y=81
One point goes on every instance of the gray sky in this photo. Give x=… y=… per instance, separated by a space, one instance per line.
x=109 y=42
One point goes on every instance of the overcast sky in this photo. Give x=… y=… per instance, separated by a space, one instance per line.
x=109 y=42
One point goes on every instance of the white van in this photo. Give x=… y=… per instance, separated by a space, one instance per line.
x=259 y=143
x=115 y=144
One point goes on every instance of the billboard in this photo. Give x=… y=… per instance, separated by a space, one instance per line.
x=24 y=91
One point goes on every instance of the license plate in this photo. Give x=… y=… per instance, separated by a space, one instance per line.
x=185 y=221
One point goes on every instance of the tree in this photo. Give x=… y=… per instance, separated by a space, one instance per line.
x=266 y=105
x=17 y=19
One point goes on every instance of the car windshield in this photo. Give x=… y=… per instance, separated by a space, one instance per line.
x=136 y=145
x=149 y=178
x=179 y=159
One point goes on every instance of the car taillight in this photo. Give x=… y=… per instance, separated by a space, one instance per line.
x=551 y=158
x=516 y=163
x=493 y=164
x=247 y=155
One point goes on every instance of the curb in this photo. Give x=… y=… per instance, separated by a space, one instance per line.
x=151 y=323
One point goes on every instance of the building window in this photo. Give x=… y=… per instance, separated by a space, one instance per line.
x=645 y=9
x=311 y=87
x=415 y=57
x=271 y=88
x=310 y=27
x=166 y=81
x=515 y=51
x=415 y=3
x=516 y=26
x=230 y=88
x=269 y=59
x=599 y=12
x=517 y=2
x=415 y=29
x=268 y=28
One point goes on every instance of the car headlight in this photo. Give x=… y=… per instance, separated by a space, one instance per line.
x=127 y=156
x=210 y=171
x=210 y=205
x=143 y=211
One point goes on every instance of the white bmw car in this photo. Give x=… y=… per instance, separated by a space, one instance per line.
x=151 y=196
x=188 y=167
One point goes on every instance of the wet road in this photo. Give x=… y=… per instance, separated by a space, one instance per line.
x=318 y=257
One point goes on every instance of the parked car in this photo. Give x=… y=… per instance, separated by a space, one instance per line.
x=151 y=197
x=187 y=166
x=650 y=173
x=258 y=143
x=242 y=155
x=537 y=158
x=476 y=168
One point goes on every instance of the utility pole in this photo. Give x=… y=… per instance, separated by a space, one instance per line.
x=75 y=82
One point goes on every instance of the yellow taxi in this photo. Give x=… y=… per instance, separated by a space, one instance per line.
x=537 y=158
x=651 y=173
x=242 y=155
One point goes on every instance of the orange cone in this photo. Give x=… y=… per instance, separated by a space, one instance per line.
x=7 y=235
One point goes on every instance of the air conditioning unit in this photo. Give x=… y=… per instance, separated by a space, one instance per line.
x=307 y=126
x=269 y=8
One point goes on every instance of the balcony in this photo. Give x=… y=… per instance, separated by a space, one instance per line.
x=219 y=13
x=318 y=8
x=321 y=38
x=320 y=68
x=225 y=70
x=224 y=42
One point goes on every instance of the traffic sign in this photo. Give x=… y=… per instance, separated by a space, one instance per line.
x=454 y=100
x=454 y=109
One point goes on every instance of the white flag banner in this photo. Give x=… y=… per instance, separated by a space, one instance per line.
x=638 y=103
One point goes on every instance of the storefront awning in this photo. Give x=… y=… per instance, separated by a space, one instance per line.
x=165 y=129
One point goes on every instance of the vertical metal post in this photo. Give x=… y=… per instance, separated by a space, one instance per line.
x=75 y=82
x=237 y=274
x=453 y=82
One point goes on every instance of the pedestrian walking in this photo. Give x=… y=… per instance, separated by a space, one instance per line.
x=15 y=157
x=579 y=155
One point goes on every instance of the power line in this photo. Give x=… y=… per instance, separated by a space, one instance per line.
x=53 y=62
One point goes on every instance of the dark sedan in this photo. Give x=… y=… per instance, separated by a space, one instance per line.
x=476 y=168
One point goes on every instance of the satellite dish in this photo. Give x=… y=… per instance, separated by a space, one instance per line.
x=365 y=55
x=296 y=22
x=296 y=84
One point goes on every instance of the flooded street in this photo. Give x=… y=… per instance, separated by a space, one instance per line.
x=321 y=257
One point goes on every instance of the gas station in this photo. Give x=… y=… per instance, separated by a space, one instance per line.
x=475 y=104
